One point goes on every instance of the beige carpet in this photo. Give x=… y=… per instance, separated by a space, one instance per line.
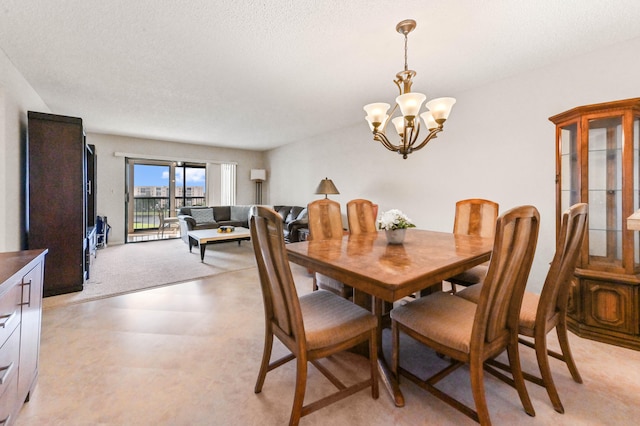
x=127 y=268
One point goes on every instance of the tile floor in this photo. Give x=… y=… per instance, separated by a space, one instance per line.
x=188 y=354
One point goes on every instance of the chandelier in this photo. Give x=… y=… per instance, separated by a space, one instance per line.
x=408 y=125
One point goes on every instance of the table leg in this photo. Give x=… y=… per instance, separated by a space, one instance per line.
x=386 y=375
x=203 y=246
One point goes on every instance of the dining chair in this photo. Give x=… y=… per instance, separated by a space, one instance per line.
x=474 y=216
x=313 y=326
x=542 y=313
x=325 y=223
x=469 y=333
x=167 y=222
x=361 y=216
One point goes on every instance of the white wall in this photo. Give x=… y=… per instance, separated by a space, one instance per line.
x=111 y=170
x=16 y=98
x=498 y=144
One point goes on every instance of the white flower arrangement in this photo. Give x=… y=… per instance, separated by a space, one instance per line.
x=394 y=219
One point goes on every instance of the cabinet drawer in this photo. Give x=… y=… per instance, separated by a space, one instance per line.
x=9 y=402
x=10 y=312
x=9 y=357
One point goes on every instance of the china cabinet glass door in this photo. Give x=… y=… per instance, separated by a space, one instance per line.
x=569 y=185
x=605 y=190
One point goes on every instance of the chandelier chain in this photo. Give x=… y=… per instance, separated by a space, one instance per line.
x=406 y=67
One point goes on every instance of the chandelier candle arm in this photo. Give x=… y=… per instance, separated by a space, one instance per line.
x=408 y=124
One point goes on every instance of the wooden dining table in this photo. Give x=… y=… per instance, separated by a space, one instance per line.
x=390 y=272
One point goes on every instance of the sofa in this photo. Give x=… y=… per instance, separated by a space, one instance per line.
x=202 y=217
x=294 y=218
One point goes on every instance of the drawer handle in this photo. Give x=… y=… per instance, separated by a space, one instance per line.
x=28 y=304
x=5 y=375
x=7 y=319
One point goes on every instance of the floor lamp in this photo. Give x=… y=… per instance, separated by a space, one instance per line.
x=259 y=176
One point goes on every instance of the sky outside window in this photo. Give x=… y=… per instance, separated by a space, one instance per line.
x=149 y=175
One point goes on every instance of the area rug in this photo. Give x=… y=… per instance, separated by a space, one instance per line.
x=125 y=268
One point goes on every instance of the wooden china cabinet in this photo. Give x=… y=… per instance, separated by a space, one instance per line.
x=598 y=162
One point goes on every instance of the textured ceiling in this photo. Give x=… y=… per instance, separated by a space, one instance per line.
x=260 y=74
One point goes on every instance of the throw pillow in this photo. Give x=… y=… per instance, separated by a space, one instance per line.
x=302 y=215
x=202 y=215
x=240 y=213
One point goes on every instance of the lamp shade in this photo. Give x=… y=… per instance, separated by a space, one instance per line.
x=258 y=174
x=410 y=103
x=429 y=120
x=440 y=108
x=326 y=186
x=377 y=112
x=398 y=122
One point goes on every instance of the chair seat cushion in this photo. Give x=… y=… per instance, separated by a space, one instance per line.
x=528 y=313
x=330 y=319
x=441 y=317
x=327 y=283
x=527 y=310
x=470 y=276
x=471 y=293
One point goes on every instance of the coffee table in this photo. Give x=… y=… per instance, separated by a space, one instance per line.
x=212 y=236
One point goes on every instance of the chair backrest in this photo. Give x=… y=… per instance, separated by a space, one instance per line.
x=281 y=304
x=475 y=216
x=361 y=216
x=501 y=296
x=555 y=292
x=325 y=220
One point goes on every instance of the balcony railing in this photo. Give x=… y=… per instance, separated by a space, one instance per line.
x=145 y=209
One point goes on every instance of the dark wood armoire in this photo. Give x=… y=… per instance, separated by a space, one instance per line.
x=61 y=211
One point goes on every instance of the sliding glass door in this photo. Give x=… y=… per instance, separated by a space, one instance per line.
x=156 y=186
x=151 y=193
x=190 y=185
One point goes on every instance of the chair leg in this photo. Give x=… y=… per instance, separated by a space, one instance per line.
x=561 y=330
x=545 y=371
x=476 y=373
x=518 y=377
x=301 y=384
x=395 y=349
x=373 y=358
x=266 y=357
